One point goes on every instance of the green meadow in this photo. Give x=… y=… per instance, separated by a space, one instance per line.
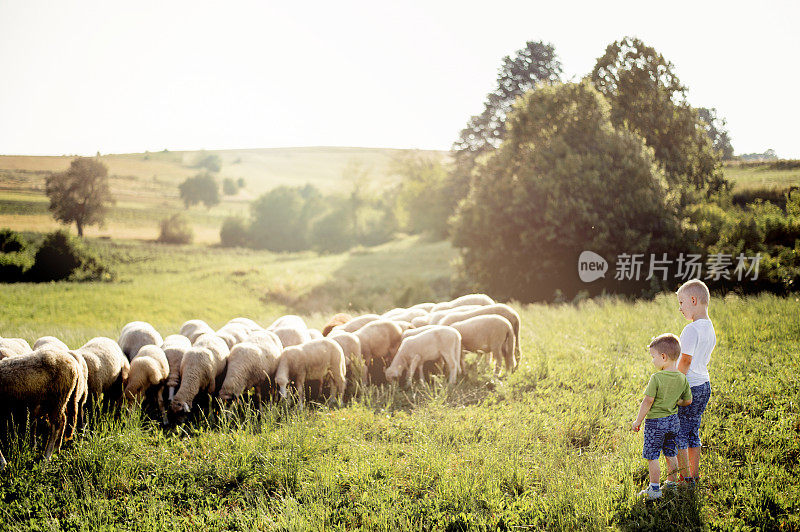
x=548 y=447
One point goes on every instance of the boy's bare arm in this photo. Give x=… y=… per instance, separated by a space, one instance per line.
x=684 y=362
x=684 y=402
x=644 y=408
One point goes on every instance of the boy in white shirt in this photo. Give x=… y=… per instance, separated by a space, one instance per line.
x=697 y=342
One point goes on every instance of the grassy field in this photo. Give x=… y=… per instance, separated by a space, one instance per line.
x=746 y=176
x=547 y=448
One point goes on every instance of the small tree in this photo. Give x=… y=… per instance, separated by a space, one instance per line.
x=200 y=188
x=209 y=161
x=176 y=230
x=81 y=194
x=229 y=187
x=233 y=233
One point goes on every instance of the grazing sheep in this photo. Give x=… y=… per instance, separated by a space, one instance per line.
x=358 y=322
x=43 y=382
x=237 y=330
x=312 y=360
x=437 y=343
x=77 y=402
x=469 y=299
x=290 y=336
x=251 y=364
x=403 y=314
x=174 y=346
x=379 y=342
x=439 y=315
x=336 y=320
x=491 y=334
x=149 y=370
x=201 y=367
x=421 y=321
x=249 y=324
x=108 y=369
x=315 y=334
x=136 y=334
x=500 y=309
x=351 y=347
x=50 y=341
x=229 y=339
x=192 y=329
x=10 y=347
x=424 y=306
x=290 y=320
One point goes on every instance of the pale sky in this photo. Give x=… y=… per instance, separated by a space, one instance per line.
x=117 y=77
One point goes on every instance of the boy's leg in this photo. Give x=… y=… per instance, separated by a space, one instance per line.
x=672 y=467
x=689 y=435
x=655 y=471
x=683 y=463
x=694 y=461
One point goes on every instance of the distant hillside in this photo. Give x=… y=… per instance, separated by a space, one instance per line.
x=262 y=169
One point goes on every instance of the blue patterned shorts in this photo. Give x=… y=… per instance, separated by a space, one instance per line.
x=660 y=435
x=692 y=415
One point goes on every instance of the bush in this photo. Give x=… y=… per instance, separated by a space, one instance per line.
x=233 y=233
x=13 y=267
x=229 y=187
x=775 y=195
x=332 y=233
x=176 y=230
x=61 y=256
x=200 y=188
x=11 y=241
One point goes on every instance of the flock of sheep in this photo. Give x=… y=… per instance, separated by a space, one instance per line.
x=58 y=384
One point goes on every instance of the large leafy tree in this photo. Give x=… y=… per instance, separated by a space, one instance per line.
x=202 y=188
x=564 y=180
x=715 y=129
x=280 y=219
x=422 y=195
x=530 y=66
x=647 y=97
x=81 y=194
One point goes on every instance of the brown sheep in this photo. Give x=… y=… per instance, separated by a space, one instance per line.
x=437 y=343
x=202 y=366
x=43 y=382
x=251 y=364
x=491 y=334
x=312 y=360
x=149 y=370
x=500 y=309
x=336 y=320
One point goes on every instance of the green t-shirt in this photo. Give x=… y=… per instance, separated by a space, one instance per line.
x=667 y=386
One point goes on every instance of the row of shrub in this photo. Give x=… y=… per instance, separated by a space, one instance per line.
x=59 y=256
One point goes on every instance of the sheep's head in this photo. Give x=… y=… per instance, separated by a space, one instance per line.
x=392 y=373
x=180 y=407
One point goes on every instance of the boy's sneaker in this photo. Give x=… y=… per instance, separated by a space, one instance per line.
x=650 y=493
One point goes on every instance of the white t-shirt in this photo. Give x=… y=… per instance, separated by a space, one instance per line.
x=698 y=340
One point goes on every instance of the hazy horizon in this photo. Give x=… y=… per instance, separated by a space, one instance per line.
x=88 y=76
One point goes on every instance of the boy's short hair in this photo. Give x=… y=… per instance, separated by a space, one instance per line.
x=667 y=343
x=696 y=288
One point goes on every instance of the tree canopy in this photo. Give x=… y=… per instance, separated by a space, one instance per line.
x=647 y=97
x=81 y=194
x=202 y=188
x=564 y=180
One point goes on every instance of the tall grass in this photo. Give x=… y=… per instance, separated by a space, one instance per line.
x=548 y=447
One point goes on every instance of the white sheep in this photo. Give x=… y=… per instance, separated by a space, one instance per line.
x=50 y=341
x=315 y=334
x=404 y=314
x=10 y=347
x=174 y=347
x=236 y=330
x=108 y=369
x=42 y=382
x=500 y=309
x=312 y=360
x=490 y=334
x=351 y=347
x=249 y=324
x=379 y=342
x=149 y=370
x=191 y=329
x=252 y=364
x=358 y=322
x=289 y=320
x=424 y=306
x=291 y=336
x=201 y=367
x=136 y=334
x=469 y=299
x=437 y=343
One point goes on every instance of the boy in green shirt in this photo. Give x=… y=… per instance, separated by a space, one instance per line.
x=666 y=390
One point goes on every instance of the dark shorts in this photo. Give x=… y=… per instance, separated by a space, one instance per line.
x=692 y=415
x=660 y=435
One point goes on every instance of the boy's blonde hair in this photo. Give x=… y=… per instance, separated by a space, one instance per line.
x=667 y=343
x=696 y=288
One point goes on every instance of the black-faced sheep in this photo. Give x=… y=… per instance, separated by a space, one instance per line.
x=136 y=334
x=312 y=360
x=437 y=343
x=251 y=364
x=148 y=373
x=202 y=366
x=43 y=382
x=490 y=334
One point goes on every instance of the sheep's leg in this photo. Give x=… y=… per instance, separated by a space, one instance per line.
x=2 y=461
x=300 y=384
x=412 y=368
x=58 y=423
x=161 y=407
x=171 y=392
x=453 y=366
